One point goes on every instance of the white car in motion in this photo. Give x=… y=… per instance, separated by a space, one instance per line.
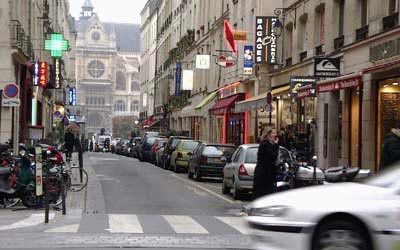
x=352 y=216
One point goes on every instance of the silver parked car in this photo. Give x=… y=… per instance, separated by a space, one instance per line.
x=238 y=173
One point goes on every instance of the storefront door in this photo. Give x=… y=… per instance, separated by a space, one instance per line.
x=235 y=129
x=354 y=127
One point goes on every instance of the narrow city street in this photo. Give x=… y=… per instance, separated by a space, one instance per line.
x=133 y=204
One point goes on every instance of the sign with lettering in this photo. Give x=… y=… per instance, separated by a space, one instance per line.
x=266 y=44
x=57 y=68
x=178 y=78
x=40 y=77
x=326 y=67
x=72 y=96
x=297 y=82
x=248 y=60
x=340 y=84
x=306 y=92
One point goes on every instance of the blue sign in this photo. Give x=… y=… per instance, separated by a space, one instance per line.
x=72 y=96
x=36 y=74
x=178 y=79
x=248 y=60
x=72 y=118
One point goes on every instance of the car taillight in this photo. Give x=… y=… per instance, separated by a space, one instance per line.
x=242 y=170
x=179 y=155
x=203 y=160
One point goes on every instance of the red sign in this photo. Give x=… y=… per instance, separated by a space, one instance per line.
x=42 y=74
x=340 y=84
x=225 y=60
x=229 y=36
x=303 y=93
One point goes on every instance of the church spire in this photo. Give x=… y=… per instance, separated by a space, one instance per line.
x=87 y=10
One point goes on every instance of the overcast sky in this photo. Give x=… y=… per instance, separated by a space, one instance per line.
x=121 y=11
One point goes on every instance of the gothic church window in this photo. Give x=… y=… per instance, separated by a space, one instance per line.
x=119 y=106
x=96 y=68
x=135 y=106
x=135 y=86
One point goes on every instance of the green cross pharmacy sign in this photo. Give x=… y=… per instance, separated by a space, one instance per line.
x=56 y=45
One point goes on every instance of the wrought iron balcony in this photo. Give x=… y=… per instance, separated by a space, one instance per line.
x=338 y=42
x=362 y=33
x=319 y=50
x=303 y=55
x=390 y=21
x=19 y=40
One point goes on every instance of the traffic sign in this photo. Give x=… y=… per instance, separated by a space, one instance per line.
x=11 y=90
x=269 y=98
x=10 y=102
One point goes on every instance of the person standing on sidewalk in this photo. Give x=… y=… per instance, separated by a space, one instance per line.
x=266 y=170
x=53 y=136
x=69 y=140
x=391 y=148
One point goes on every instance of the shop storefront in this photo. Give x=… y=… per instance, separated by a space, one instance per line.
x=229 y=127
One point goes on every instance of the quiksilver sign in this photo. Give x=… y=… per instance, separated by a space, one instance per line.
x=266 y=44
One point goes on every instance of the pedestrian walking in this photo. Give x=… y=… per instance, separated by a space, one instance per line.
x=266 y=170
x=391 y=148
x=69 y=140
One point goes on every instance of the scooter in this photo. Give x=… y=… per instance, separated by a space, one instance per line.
x=345 y=174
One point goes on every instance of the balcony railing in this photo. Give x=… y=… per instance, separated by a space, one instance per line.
x=319 y=50
x=19 y=40
x=390 y=21
x=362 y=33
x=303 y=55
x=338 y=42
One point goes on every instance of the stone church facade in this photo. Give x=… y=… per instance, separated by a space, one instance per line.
x=107 y=72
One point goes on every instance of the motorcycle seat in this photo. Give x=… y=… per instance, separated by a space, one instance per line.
x=341 y=173
x=4 y=171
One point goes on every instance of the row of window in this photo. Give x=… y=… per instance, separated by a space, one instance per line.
x=95 y=101
x=119 y=106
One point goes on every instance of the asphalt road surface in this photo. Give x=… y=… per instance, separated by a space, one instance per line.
x=133 y=204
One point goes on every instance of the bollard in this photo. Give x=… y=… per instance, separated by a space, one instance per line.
x=64 y=209
x=46 y=189
x=80 y=156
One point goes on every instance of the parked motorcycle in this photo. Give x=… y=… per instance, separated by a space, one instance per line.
x=345 y=173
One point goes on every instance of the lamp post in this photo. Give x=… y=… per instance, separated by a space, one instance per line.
x=136 y=127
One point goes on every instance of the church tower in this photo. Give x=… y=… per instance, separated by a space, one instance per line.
x=87 y=10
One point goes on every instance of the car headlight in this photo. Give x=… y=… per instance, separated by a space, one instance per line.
x=271 y=211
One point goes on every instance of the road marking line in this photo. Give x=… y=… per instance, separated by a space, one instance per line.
x=195 y=190
x=183 y=224
x=124 y=223
x=32 y=220
x=207 y=190
x=237 y=223
x=64 y=229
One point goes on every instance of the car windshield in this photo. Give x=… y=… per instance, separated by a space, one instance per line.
x=160 y=143
x=251 y=155
x=175 y=142
x=387 y=179
x=190 y=145
x=218 y=150
x=151 y=140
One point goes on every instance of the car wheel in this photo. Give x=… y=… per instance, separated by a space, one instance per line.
x=225 y=188
x=341 y=234
x=197 y=175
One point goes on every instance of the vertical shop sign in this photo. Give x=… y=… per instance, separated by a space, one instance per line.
x=178 y=78
x=266 y=44
x=57 y=75
x=72 y=96
x=42 y=76
x=248 y=60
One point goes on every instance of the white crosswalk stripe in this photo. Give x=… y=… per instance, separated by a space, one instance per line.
x=237 y=223
x=32 y=220
x=124 y=223
x=185 y=224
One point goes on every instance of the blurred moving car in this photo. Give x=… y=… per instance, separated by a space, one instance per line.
x=356 y=216
x=169 y=148
x=179 y=157
x=209 y=159
x=160 y=141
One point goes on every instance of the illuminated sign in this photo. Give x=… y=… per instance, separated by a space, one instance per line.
x=187 y=80
x=72 y=96
x=248 y=60
x=57 y=75
x=42 y=75
x=56 y=45
x=265 y=40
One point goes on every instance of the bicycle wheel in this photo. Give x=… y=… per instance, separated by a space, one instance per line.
x=78 y=179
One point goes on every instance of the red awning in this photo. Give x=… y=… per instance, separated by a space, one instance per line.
x=148 y=121
x=224 y=105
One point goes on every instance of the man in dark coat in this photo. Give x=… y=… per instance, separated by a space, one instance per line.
x=391 y=148
x=69 y=140
x=266 y=170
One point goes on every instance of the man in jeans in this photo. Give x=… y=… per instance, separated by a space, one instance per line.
x=69 y=140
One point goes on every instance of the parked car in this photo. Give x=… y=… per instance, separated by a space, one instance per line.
x=127 y=148
x=180 y=158
x=156 y=146
x=135 y=144
x=145 y=150
x=169 y=148
x=119 y=147
x=159 y=153
x=352 y=215
x=145 y=136
x=209 y=159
